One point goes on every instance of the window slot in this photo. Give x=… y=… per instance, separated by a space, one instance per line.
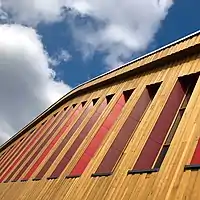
x=109 y=97
x=127 y=94
x=83 y=103
x=95 y=101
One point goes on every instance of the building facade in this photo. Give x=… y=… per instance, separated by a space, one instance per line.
x=132 y=133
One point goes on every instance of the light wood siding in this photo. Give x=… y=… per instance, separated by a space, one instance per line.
x=170 y=182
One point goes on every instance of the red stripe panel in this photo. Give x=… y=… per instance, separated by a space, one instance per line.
x=124 y=135
x=48 y=149
x=22 y=145
x=98 y=138
x=27 y=145
x=28 y=150
x=63 y=143
x=9 y=155
x=3 y=155
x=160 y=130
x=41 y=146
x=196 y=156
x=74 y=147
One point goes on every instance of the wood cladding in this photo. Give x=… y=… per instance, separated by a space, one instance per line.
x=124 y=135
x=100 y=135
x=61 y=158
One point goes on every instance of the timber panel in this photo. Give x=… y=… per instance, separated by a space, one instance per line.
x=77 y=133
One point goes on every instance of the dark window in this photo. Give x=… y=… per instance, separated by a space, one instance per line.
x=95 y=101
x=166 y=125
x=188 y=83
x=83 y=103
x=30 y=147
x=44 y=122
x=69 y=133
x=127 y=94
x=99 y=137
x=109 y=97
x=55 y=114
x=66 y=108
x=74 y=105
x=78 y=141
x=115 y=152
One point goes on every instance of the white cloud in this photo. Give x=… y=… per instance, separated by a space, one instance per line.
x=27 y=84
x=121 y=29
x=125 y=27
x=60 y=57
x=32 y=12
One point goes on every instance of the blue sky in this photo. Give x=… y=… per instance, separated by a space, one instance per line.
x=181 y=20
x=49 y=47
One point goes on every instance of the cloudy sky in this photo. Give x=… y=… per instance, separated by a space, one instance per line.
x=48 y=47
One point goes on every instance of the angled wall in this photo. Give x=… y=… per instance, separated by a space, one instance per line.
x=132 y=133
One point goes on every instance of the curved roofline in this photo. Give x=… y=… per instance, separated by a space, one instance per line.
x=97 y=77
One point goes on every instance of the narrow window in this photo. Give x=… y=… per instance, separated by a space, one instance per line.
x=163 y=132
x=32 y=130
x=109 y=97
x=78 y=141
x=28 y=148
x=115 y=152
x=74 y=105
x=55 y=114
x=40 y=145
x=6 y=159
x=83 y=103
x=44 y=122
x=100 y=135
x=68 y=134
x=48 y=148
x=65 y=108
x=95 y=101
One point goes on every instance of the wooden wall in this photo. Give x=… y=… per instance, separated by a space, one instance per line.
x=170 y=182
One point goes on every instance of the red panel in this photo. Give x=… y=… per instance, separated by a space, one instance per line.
x=147 y=156
x=25 y=152
x=3 y=155
x=64 y=142
x=96 y=142
x=81 y=165
x=98 y=138
x=41 y=146
x=124 y=135
x=9 y=155
x=141 y=105
x=48 y=149
x=196 y=156
x=160 y=130
x=109 y=161
x=121 y=101
x=74 y=147
x=17 y=152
